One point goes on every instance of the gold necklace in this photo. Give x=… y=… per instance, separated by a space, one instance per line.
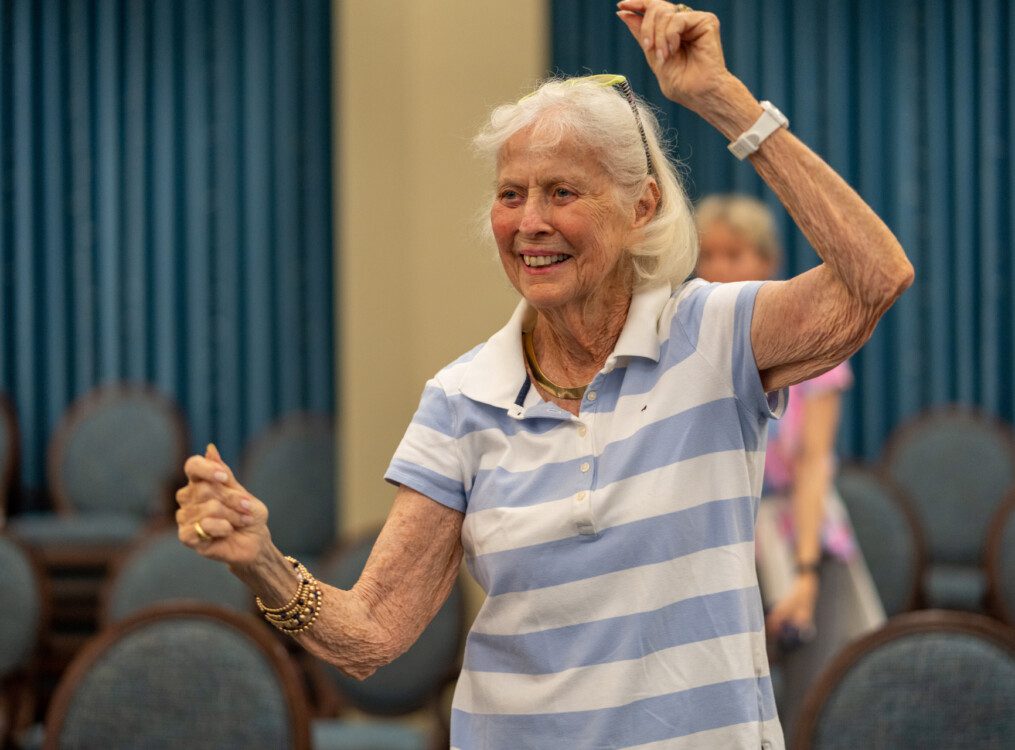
x=569 y=394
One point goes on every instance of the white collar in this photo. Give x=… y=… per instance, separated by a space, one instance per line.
x=497 y=373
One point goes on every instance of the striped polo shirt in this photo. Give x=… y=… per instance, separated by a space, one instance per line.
x=616 y=547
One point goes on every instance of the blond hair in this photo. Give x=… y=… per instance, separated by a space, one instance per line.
x=745 y=215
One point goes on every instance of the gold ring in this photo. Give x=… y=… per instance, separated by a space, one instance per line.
x=681 y=8
x=203 y=535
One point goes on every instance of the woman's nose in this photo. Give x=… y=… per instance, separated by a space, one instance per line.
x=534 y=221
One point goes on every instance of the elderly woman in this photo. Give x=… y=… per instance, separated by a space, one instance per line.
x=813 y=580
x=597 y=461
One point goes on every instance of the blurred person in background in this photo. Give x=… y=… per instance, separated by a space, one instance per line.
x=817 y=591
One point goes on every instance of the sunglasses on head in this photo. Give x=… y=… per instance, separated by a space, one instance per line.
x=618 y=82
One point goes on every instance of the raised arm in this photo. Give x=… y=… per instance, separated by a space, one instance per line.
x=807 y=325
x=406 y=580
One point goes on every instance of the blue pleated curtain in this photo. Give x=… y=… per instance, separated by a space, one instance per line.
x=165 y=209
x=911 y=101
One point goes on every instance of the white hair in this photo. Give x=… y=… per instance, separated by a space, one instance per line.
x=600 y=118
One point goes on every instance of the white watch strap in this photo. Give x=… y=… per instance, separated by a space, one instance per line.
x=771 y=119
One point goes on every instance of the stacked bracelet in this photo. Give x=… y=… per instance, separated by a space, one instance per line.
x=300 y=612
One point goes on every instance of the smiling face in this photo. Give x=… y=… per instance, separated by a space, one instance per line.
x=560 y=229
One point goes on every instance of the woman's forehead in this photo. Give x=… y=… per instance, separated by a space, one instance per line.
x=527 y=153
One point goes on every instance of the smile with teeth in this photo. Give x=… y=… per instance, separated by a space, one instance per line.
x=536 y=261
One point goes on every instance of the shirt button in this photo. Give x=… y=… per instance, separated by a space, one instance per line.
x=591 y=395
x=580 y=496
x=583 y=431
x=585 y=467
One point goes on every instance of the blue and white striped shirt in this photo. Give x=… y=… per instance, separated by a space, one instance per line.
x=616 y=547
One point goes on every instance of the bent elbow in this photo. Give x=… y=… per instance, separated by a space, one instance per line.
x=359 y=657
x=362 y=672
x=893 y=283
x=363 y=665
x=905 y=276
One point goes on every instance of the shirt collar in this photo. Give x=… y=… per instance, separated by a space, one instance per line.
x=496 y=373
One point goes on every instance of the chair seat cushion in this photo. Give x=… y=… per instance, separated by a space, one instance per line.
x=336 y=734
x=955 y=587
x=83 y=529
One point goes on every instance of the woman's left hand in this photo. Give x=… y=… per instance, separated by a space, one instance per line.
x=682 y=47
x=796 y=608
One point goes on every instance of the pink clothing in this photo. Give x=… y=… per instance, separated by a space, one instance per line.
x=783 y=445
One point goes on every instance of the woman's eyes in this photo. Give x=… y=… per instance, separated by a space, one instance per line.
x=510 y=195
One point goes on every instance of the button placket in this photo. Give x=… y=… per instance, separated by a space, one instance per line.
x=582 y=503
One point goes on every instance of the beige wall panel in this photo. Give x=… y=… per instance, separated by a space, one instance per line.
x=416 y=287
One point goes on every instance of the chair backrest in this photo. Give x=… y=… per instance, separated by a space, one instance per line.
x=888 y=535
x=159 y=569
x=926 y=679
x=118 y=449
x=955 y=465
x=10 y=453
x=1001 y=562
x=24 y=604
x=416 y=677
x=290 y=466
x=195 y=677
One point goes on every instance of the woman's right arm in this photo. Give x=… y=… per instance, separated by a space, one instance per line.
x=406 y=580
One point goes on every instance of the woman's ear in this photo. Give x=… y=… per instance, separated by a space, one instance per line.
x=645 y=209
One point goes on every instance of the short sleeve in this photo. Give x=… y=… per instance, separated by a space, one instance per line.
x=427 y=458
x=746 y=377
x=717 y=320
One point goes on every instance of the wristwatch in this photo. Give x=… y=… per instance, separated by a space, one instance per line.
x=749 y=142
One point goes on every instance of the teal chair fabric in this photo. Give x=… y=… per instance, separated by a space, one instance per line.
x=94 y=528
x=119 y=450
x=1001 y=562
x=929 y=679
x=887 y=534
x=21 y=605
x=291 y=468
x=955 y=466
x=333 y=734
x=200 y=678
x=412 y=681
x=114 y=463
x=159 y=569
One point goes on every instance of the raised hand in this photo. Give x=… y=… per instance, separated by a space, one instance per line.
x=213 y=502
x=681 y=46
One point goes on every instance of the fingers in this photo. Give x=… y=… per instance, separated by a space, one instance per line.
x=667 y=36
x=632 y=21
x=200 y=491
x=211 y=468
x=212 y=453
x=660 y=29
x=653 y=30
x=774 y=620
x=233 y=513
x=199 y=468
x=215 y=528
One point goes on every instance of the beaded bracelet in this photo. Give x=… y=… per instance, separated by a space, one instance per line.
x=300 y=612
